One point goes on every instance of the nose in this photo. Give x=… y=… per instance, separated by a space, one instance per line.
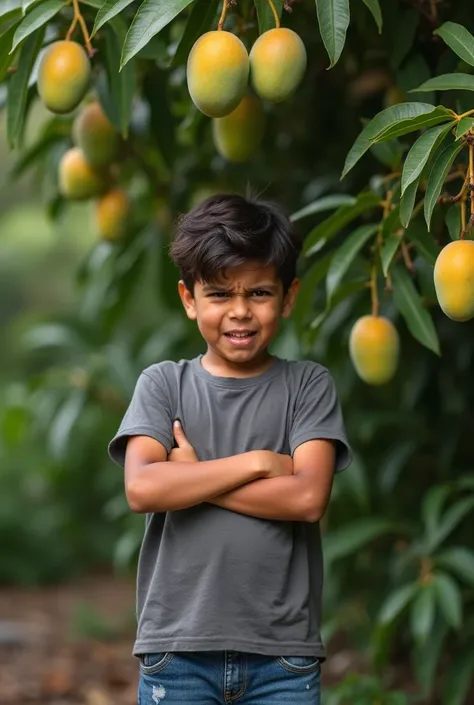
x=239 y=308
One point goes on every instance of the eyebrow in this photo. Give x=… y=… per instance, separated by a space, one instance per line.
x=221 y=287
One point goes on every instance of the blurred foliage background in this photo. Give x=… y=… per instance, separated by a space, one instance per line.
x=80 y=318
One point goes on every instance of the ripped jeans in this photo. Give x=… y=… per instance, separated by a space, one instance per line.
x=227 y=677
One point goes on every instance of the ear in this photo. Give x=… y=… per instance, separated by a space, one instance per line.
x=290 y=298
x=188 y=300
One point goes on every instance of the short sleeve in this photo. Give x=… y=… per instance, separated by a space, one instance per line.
x=318 y=415
x=148 y=414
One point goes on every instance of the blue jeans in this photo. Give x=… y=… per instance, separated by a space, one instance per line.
x=228 y=677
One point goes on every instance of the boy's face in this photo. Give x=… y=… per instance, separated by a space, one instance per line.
x=239 y=315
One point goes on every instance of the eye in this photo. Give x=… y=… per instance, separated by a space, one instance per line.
x=260 y=292
x=217 y=295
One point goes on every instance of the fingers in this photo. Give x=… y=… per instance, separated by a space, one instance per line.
x=179 y=436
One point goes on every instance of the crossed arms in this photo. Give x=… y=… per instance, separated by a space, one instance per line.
x=258 y=483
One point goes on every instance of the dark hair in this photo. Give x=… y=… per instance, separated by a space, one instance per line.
x=227 y=230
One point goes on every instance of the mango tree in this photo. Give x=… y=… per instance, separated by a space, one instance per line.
x=140 y=110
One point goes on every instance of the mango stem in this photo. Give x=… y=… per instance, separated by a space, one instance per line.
x=406 y=257
x=471 y=177
x=373 y=291
x=79 y=18
x=220 y=24
x=275 y=14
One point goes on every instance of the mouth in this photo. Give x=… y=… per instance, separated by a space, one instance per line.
x=240 y=338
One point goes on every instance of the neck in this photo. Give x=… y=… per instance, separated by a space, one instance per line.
x=221 y=367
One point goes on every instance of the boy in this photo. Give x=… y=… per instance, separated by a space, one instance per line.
x=231 y=455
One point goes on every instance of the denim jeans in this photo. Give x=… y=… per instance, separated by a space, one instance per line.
x=228 y=677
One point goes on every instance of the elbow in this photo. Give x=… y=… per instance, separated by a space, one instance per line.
x=140 y=498
x=135 y=497
x=312 y=512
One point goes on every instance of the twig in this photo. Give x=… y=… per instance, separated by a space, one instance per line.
x=220 y=24
x=79 y=18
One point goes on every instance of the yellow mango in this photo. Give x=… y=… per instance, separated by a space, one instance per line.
x=374 y=349
x=77 y=179
x=454 y=280
x=63 y=76
x=217 y=73
x=237 y=136
x=277 y=64
x=96 y=136
x=111 y=215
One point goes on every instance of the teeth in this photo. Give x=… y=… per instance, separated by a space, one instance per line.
x=240 y=335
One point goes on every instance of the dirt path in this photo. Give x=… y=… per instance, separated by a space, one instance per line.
x=50 y=651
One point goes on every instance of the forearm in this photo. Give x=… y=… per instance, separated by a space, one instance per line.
x=168 y=486
x=286 y=498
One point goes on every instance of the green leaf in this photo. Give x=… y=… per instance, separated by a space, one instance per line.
x=389 y=248
x=326 y=203
x=6 y=58
x=458 y=681
x=367 y=200
x=460 y=560
x=423 y=613
x=333 y=18
x=449 y=599
x=447 y=82
x=118 y=99
x=388 y=153
x=407 y=202
x=150 y=19
x=18 y=86
x=156 y=91
x=109 y=9
x=458 y=39
x=464 y=125
x=7 y=6
x=39 y=16
x=426 y=658
x=266 y=19
x=396 y=602
x=403 y=29
x=354 y=535
x=438 y=174
x=421 y=151
x=453 y=221
x=403 y=127
x=407 y=112
x=408 y=302
x=424 y=242
x=200 y=20
x=374 y=7
x=345 y=254
x=432 y=505
x=450 y=520
x=26 y=4
x=308 y=284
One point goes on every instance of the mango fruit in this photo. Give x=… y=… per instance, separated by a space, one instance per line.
x=96 y=136
x=77 y=179
x=111 y=214
x=374 y=348
x=454 y=280
x=237 y=136
x=63 y=76
x=277 y=64
x=217 y=73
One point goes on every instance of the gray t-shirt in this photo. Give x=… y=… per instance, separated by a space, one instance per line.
x=210 y=578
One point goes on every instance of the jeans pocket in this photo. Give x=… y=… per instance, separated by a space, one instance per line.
x=299 y=664
x=155 y=662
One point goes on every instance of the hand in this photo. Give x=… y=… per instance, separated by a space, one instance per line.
x=185 y=453
x=274 y=464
